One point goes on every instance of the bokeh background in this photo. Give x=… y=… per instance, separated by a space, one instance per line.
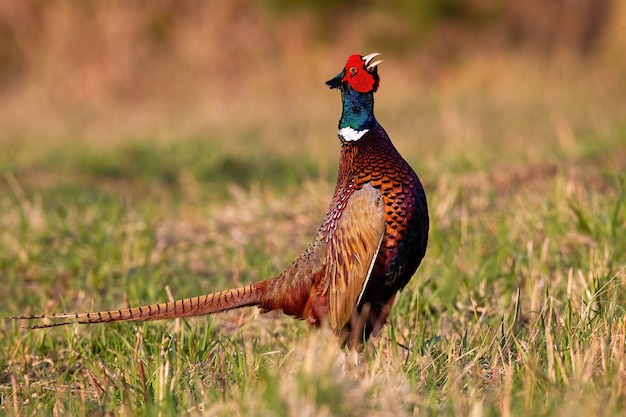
x=104 y=72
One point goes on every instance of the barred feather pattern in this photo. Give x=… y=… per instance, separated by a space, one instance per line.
x=249 y=295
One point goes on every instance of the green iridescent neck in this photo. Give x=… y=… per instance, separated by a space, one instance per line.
x=358 y=110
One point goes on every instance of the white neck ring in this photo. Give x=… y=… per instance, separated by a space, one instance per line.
x=351 y=135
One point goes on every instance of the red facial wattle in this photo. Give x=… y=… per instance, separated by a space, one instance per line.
x=359 y=78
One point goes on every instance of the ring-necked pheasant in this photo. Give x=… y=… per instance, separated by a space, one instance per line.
x=369 y=245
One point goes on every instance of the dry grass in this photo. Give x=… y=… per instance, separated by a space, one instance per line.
x=518 y=308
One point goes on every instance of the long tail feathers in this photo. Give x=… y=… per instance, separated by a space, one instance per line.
x=249 y=295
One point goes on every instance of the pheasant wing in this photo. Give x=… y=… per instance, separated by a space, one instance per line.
x=352 y=252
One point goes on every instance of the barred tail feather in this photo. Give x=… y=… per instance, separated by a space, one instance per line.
x=249 y=295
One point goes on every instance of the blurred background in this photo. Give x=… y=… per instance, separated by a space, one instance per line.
x=168 y=93
x=113 y=70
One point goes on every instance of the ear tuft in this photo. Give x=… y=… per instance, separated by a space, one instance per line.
x=335 y=82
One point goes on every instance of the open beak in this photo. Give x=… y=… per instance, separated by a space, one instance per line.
x=368 y=58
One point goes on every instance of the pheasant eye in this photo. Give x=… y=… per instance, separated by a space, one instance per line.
x=353 y=70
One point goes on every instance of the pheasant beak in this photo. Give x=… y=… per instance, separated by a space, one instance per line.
x=368 y=58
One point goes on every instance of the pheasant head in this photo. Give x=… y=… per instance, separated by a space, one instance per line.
x=357 y=82
x=360 y=74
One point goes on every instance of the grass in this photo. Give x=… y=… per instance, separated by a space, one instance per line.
x=518 y=308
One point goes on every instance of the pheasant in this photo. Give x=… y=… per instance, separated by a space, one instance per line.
x=369 y=245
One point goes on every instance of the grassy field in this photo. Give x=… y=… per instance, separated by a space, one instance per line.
x=518 y=308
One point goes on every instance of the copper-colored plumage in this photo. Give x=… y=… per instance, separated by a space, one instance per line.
x=369 y=245
x=203 y=304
